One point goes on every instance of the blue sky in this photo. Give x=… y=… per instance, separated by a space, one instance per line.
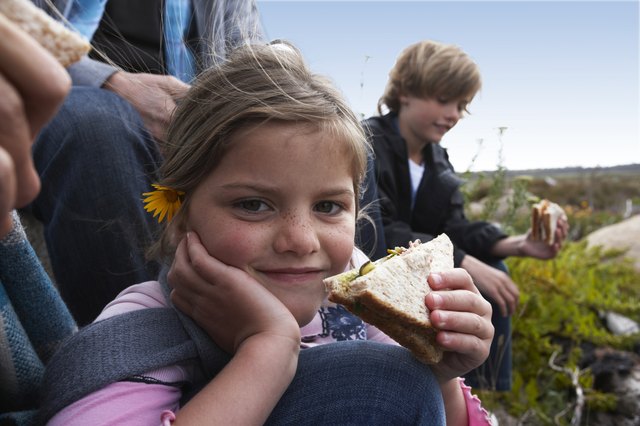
x=562 y=77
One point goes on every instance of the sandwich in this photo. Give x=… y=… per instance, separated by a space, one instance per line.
x=389 y=294
x=65 y=45
x=544 y=221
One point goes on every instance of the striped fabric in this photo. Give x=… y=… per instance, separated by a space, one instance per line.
x=179 y=59
x=85 y=16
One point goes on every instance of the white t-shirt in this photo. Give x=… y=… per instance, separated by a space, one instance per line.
x=415 y=171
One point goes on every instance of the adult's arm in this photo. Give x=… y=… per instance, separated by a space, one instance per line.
x=153 y=96
x=89 y=72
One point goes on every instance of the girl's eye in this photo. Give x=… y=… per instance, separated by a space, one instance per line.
x=253 y=206
x=328 y=207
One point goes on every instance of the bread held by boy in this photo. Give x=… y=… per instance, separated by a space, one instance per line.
x=544 y=220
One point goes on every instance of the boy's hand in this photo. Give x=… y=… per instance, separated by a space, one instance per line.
x=463 y=318
x=542 y=250
x=494 y=283
x=225 y=301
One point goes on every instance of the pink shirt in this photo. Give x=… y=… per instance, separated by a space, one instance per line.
x=132 y=403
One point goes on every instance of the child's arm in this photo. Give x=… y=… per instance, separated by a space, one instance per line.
x=248 y=388
x=525 y=245
x=244 y=319
x=463 y=318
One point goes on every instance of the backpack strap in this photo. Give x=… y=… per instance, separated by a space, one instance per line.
x=123 y=346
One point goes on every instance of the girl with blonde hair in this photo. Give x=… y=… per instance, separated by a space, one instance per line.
x=260 y=190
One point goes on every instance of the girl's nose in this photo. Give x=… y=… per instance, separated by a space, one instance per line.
x=296 y=234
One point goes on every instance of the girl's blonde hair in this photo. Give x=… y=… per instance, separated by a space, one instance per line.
x=430 y=69
x=256 y=84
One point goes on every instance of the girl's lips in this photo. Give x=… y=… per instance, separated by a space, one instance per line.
x=294 y=275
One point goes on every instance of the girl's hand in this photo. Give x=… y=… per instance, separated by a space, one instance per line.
x=244 y=319
x=229 y=304
x=463 y=318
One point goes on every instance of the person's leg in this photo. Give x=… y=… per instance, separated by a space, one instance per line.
x=360 y=383
x=495 y=372
x=95 y=159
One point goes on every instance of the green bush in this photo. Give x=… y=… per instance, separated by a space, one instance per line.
x=562 y=300
x=560 y=306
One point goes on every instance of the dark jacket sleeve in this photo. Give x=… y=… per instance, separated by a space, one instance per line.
x=439 y=205
x=440 y=208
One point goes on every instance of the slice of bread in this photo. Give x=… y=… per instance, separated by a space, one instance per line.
x=65 y=45
x=391 y=295
x=544 y=220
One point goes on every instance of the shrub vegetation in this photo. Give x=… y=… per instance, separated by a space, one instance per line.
x=562 y=300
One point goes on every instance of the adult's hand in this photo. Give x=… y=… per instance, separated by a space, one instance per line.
x=32 y=87
x=153 y=96
x=493 y=283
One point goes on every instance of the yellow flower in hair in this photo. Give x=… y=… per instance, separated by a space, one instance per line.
x=164 y=201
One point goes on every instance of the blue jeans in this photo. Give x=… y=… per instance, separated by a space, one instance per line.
x=95 y=160
x=360 y=383
x=495 y=372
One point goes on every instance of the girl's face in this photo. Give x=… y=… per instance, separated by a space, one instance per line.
x=280 y=206
x=428 y=120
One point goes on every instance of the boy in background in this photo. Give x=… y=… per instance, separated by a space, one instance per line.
x=428 y=91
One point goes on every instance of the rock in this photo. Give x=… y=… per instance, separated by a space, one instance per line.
x=618 y=372
x=620 y=325
x=623 y=235
x=503 y=204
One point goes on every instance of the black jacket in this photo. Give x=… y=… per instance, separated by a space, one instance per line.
x=439 y=204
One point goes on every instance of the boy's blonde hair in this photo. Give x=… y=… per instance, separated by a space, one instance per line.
x=429 y=69
x=256 y=84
